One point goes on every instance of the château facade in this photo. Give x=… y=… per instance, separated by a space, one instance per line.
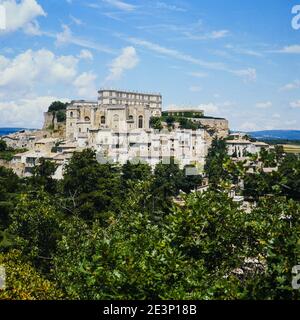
x=115 y=110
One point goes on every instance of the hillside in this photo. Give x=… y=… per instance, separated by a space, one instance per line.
x=276 y=134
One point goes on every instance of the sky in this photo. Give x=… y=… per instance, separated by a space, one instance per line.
x=231 y=58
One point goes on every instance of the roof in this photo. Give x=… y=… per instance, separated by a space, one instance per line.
x=47 y=140
x=185 y=110
x=238 y=142
x=130 y=92
x=259 y=143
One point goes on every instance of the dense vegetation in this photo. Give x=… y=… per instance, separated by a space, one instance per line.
x=6 y=152
x=114 y=232
x=58 y=108
x=184 y=122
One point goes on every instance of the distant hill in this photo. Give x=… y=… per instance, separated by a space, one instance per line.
x=276 y=135
x=5 y=131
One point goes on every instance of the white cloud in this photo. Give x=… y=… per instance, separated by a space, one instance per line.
x=126 y=61
x=26 y=112
x=276 y=116
x=85 y=84
x=243 y=51
x=249 y=126
x=290 y=123
x=163 y=5
x=217 y=34
x=21 y=14
x=195 y=89
x=264 y=105
x=293 y=49
x=175 y=54
x=295 y=104
x=247 y=74
x=121 y=5
x=291 y=86
x=32 y=68
x=27 y=80
x=67 y=37
x=198 y=74
x=77 y=21
x=85 y=54
x=32 y=28
x=210 y=109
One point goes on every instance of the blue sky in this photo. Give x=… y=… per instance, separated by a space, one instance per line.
x=235 y=59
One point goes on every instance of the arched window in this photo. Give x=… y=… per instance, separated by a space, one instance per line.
x=102 y=120
x=116 y=121
x=71 y=114
x=86 y=119
x=130 y=118
x=141 y=120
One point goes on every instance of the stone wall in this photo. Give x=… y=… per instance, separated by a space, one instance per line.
x=56 y=129
x=216 y=127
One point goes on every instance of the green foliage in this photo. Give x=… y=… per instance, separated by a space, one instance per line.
x=268 y=158
x=3 y=146
x=111 y=232
x=217 y=156
x=9 y=186
x=61 y=116
x=91 y=188
x=285 y=181
x=35 y=223
x=155 y=123
x=188 y=124
x=132 y=172
x=57 y=106
x=170 y=120
x=23 y=282
x=42 y=176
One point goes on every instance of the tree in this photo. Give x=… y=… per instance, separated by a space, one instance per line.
x=91 y=188
x=57 y=106
x=35 y=223
x=170 y=121
x=3 y=146
x=42 y=176
x=275 y=229
x=61 y=116
x=268 y=158
x=132 y=172
x=9 y=187
x=155 y=123
x=209 y=228
x=217 y=156
x=187 y=124
x=167 y=179
x=23 y=282
x=131 y=258
x=289 y=170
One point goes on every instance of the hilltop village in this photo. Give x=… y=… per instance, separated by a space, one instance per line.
x=124 y=126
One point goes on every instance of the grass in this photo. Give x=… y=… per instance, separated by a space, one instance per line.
x=291 y=148
x=8 y=155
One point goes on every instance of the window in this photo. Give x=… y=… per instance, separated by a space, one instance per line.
x=116 y=121
x=87 y=119
x=102 y=120
x=130 y=117
x=71 y=114
x=141 y=120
